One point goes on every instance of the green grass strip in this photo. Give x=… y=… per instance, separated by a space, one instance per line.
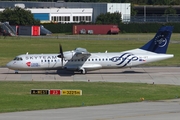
x=15 y=96
x=13 y=46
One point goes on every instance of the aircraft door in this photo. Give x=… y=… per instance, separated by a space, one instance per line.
x=42 y=62
x=49 y=63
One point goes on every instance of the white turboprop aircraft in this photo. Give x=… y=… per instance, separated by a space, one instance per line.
x=81 y=60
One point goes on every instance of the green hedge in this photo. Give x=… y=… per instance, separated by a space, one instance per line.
x=59 y=28
x=124 y=28
x=146 y=27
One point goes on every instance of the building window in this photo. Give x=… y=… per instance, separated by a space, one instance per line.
x=55 y=18
x=67 y=18
x=59 y=18
x=81 y=18
x=77 y=18
x=88 y=18
x=52 y=18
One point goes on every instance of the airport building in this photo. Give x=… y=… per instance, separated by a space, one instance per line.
x=70 y=12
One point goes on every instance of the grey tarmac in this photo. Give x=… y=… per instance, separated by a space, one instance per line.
x=148 y=110
x=150 y=75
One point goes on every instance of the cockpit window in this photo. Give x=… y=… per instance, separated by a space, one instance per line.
x=18 y=58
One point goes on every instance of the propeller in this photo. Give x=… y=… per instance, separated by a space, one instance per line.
x=61 y=54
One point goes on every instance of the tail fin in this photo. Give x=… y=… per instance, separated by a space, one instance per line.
x=159 y=43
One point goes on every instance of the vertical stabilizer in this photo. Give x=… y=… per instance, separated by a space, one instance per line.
x=159 y=43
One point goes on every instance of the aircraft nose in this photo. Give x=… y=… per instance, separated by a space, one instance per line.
x=12 y=65
x=8 y=64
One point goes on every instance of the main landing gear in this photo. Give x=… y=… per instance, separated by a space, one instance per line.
x=83 y=71
x=16 y=72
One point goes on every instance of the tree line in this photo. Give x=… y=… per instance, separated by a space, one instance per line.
x=18 y=16
x=138 y=2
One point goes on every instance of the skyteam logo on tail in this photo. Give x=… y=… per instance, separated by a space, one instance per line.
x=124 y=59
x=160 y=40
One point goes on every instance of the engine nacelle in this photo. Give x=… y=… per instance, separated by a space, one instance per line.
x=78 y=53
x=68 y=55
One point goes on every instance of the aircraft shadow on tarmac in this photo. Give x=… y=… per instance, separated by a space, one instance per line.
x=123 y=72
x=58 y=72
x=71 y=73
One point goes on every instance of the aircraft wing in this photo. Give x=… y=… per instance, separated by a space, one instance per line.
x=80 y=53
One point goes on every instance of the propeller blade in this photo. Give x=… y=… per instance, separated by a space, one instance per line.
x=60 y=48
x=61 y=54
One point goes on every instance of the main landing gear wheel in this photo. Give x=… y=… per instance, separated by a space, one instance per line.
x=83 y=71
x=16 y=72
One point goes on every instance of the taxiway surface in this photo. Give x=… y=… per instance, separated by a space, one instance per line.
x=160 y=110
x=157 y=75
x=148 y=110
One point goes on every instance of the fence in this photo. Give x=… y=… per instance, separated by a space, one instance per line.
x=164 y=18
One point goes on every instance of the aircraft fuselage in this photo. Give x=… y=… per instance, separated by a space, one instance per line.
x=93 y=62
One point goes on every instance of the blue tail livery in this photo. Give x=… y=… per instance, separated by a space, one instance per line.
x=159 y=43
